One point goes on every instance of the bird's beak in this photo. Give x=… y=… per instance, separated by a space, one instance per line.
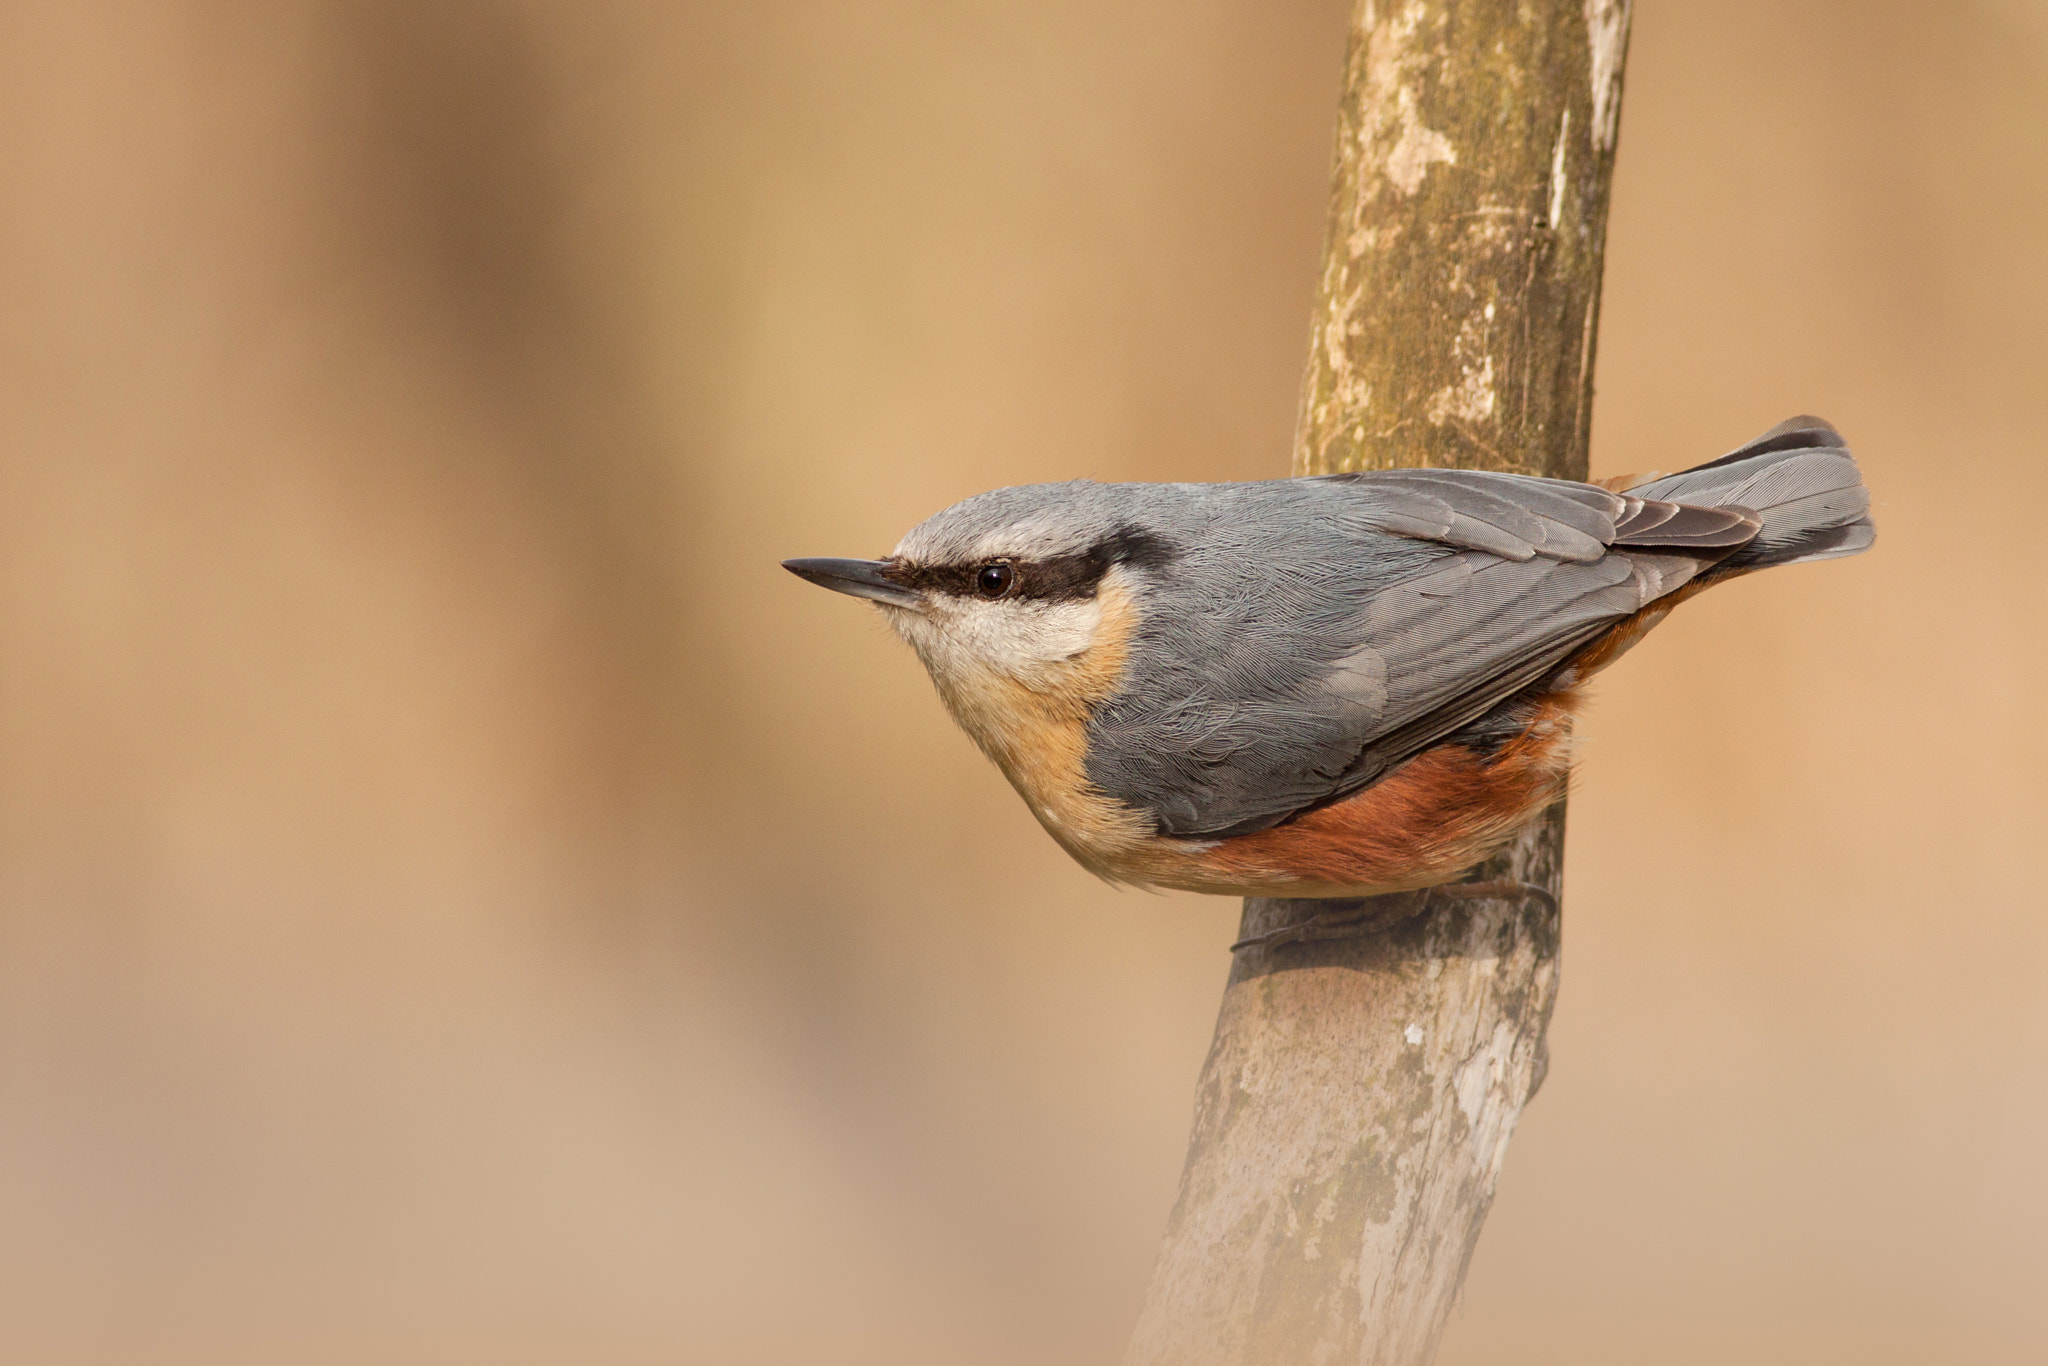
x=861 y=578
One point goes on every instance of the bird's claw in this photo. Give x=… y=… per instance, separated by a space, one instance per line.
x=1356 y=923
x=1498 y=889
x=1326 y=926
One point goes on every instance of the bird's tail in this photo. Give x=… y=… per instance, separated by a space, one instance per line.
x=1799 y=478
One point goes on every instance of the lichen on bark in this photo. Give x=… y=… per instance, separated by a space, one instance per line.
x=1468 y=209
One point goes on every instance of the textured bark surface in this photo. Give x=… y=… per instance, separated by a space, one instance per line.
x=1461 y=275
x=1355 y=1108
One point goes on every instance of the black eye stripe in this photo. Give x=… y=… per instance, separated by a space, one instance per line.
x=955 y=579
x=1056 y=578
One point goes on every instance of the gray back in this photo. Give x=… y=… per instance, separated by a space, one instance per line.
x=1307 y=635
x=1297 y=646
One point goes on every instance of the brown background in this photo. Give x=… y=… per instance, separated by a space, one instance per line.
x=461 y=902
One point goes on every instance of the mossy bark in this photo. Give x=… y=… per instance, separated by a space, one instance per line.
x=1356 y=1105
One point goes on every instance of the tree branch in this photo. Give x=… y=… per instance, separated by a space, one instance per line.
x=1355 y=1108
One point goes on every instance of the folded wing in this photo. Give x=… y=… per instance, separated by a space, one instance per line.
x=1328 y=673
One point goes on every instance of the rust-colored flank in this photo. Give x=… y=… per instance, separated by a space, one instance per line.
x=1428 y=820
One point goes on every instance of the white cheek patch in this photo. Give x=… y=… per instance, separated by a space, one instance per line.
x=1020 y=639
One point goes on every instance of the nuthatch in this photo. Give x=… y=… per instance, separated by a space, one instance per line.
x=1322 y=687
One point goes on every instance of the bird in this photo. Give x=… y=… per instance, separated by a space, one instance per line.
x=1337 y=686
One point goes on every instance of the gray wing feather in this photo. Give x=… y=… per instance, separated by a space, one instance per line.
x=1315 y=633
x=1325 y=630
x=1504 y=514
x=1798 y=479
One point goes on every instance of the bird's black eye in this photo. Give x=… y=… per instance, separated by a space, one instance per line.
x=995 y=579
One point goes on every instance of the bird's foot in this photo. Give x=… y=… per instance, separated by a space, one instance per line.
x=1345 y=920
x=1498 y=889
x=1354 y=920
x=1357 y=919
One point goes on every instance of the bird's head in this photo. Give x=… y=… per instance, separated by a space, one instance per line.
x=1014 y=589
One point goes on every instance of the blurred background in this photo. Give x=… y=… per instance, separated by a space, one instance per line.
x=461 y=902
